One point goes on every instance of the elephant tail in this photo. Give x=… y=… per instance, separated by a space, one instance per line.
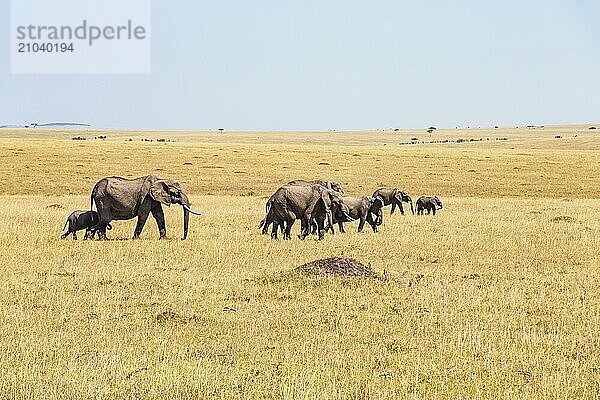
x=92 y=199
x=66 y=223
x=269 y=204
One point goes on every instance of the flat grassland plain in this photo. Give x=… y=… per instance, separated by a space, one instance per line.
x=495 y=297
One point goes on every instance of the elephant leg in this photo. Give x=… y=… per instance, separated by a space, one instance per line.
x=105 y=216
x=304 y=228
x=288 y=229
x=314 y=227
x=393 y=207
x=74 y=235
x=321 y=226
x=274 y=230
x=265 y=227
x=433 y=210
x=341 y=227
x=401 y=208
x=361 y=224
x=141 y=221
x=159 y=216
x=88 y=232
x=371 y=222
x=64 y=235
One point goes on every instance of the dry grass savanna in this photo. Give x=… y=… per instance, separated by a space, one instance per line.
x=494 y=297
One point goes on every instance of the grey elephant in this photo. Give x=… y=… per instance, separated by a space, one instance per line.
x=431 y=204
x=118 y=198
x=298 y=182
x=79 y=220
x=327 y=184
x=306 y=203
x=395 y=197
x=362 y=209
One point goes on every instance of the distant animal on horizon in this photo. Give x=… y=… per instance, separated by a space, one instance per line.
x=79 y=220
x=431 y=204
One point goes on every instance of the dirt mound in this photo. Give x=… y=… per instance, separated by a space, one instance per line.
x=336 y=266
x=563 y=218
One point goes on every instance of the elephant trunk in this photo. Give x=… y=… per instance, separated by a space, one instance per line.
x=412 y=208
x=379 y=217
x=185 y=203
x=186 y=223
x=346 y=213
x=330 y=219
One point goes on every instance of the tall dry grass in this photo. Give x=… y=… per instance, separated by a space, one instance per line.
x=494 y=297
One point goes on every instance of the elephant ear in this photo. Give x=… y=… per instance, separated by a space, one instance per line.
x=159 y=191
x=379 y=199
x=398 y=194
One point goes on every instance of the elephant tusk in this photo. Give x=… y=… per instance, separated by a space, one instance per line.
x=190 y=210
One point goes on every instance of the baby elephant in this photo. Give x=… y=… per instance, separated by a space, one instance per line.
x=431 y=204
x=361 y=209
x=79 y=220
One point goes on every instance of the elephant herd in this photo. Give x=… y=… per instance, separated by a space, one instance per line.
x=312 y=202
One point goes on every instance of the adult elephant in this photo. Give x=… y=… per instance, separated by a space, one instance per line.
x=431 y=204
x=118 y=198
x=395 y=197
x=304 y=202
x=362 y=209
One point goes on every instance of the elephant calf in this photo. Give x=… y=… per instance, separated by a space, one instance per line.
x=395 y=197
x=79 y=220
x=431 y=204
x=361 y=208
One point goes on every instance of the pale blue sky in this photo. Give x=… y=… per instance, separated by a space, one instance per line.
x=335 y=64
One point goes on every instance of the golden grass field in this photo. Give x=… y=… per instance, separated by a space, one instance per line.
x=495 y=297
